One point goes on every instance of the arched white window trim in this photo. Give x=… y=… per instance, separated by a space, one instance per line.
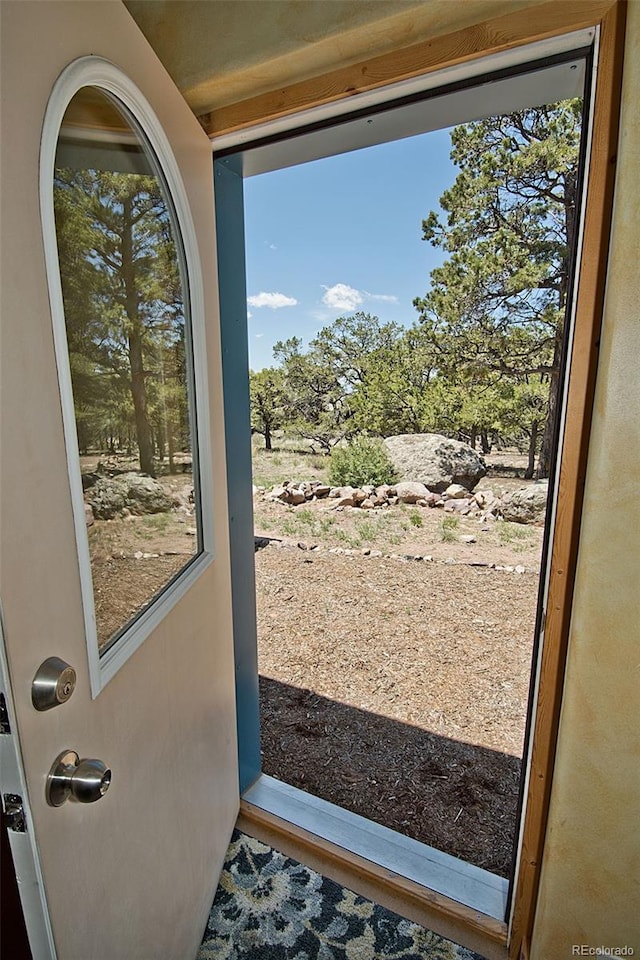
x=96 y=72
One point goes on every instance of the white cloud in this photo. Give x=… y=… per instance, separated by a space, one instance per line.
x=258 y=335
x=320 y=316
x=272 y=300
x=387 y=297
x=249 y=314
x=342 y=297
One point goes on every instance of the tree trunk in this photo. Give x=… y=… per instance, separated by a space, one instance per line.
x=484 y=442
x=546 y=450
x=171 y=446
x=533 y=440
x=136 y=364
x=160 y=442
x=267 y=437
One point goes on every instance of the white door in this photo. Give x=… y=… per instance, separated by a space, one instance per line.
x=131 y=875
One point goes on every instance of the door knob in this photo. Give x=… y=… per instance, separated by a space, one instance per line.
x=84 y=781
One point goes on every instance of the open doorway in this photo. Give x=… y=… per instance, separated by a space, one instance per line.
x=396 y=620
x=531 y=88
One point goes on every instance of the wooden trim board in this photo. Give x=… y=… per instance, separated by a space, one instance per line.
x=582 y=372
x=480 y=40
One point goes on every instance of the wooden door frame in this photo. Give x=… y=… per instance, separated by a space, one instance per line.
x=502 y=33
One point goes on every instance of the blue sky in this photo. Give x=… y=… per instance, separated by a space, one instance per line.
x=327 y=238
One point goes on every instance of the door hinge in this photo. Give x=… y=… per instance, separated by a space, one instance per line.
x=5 y=726
x=13 y=814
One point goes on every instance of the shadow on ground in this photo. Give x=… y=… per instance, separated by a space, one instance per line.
x=455 y=796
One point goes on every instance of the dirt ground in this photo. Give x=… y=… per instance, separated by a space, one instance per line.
x=398 y=690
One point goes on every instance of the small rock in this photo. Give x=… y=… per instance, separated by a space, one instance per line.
x=367 y=504
x=411 y=491
x=191 y=532
x=484 y=498
x=89 y=518
x=520 y=569
x=455 y=491
x=322 y=490
x=458 y=506
x=341 y=492
x=467 y=538
x=526 y=505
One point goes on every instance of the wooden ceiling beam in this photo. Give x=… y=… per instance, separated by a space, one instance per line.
x=501 y=33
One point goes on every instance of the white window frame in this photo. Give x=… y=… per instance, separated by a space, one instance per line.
x=97 y=72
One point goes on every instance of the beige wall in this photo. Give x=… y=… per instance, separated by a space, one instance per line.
x=590 y=890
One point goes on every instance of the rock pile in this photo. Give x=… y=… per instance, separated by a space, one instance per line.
x=262 y=542
x=521 y=506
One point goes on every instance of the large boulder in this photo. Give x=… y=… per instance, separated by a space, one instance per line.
x=108 y=498
x=435 y=461
x=526 y=505
x=144 y=494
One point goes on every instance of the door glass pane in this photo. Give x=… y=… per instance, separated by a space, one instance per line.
x=126 y=307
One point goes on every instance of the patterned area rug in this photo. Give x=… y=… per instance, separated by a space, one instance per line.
x=268 y=907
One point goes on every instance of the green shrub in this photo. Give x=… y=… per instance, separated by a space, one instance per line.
x=449 y=529
x=363 y=460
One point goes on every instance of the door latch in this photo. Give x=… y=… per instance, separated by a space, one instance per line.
x=5 y=726
x=13 y=814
